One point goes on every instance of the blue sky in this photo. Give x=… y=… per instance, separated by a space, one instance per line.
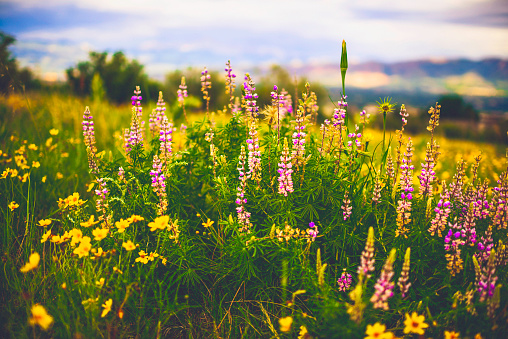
x=165 y=35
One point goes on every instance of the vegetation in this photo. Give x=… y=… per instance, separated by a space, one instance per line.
x=244 y=222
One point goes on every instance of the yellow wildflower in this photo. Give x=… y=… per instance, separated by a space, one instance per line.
x=45 y=222
x=5 y=173
x=33 y=262
x=12 y=206
x=64 y=155
x=122 y=225
x=90 y=222
x=377 y=331
x=303 y=333
x=159 y=223
x=285 y=324
x=208 y=223
x=77 y=235
x=100 y=283
x=135 y=218
x=59 y=175
x=24 y=177
x=44 y=178
x=84 y=247
x=129 y=245
x=33 y=147
x=21 y=150
x=53 y=131
x=100 y=252
x=90 y=186
x=36 y=164
x=100 y=233
x=64 y=286
x=142 y=257
x=40 y=317
x=415 y=324
x=57 y=239
x=115 y=269
x=14 y=173
x=451 y=335
x=45 y=236
x=107 y=307
x=164 y=261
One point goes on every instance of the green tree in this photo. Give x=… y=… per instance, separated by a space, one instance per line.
x=11 y=77
x=454 y=107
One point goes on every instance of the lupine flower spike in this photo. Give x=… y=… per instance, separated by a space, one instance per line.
x=205 y=86
x=367 y=259
x=406 y=186
x=403 y=281
x=384 y=285
x=182 y=94
x=89 y=139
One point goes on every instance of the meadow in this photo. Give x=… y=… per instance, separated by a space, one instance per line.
x=247 y=222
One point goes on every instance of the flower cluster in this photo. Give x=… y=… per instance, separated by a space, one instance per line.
x=458 y=183
x=250 y=97
x=243 y=215
x=346 y=207
x=159 y=184
x=367 y=260
x=312 y=231
x=384 y=285
x=285 y=170
x=485 y=245
x=101 y=204
x=136 y=130
x=230 y=83
x=500 y=202
x=206 y=84
x=357 y=138
x=438 y=224
x=427 y=175
x=406 y=186
x=166 y=139
x=488 y=279
x=299 y=136
x=182 y=93
x=403 y=281
x=453 y=242
x=344 y=281
x=89 y=139
x=157 y=115
x=254 y=158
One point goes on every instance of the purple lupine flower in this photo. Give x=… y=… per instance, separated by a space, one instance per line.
x=499 y=203
x=344 y=281
x=159 y=184
x=250 y=97
x=442 y=210
x=182 y=93
x=121 y=173
x=136 y=103
x=403 y=281
x=89 y=140
x=485 y=245
x=453 y=243
x=254 y=159
x=346 y=207
x=406 y=186
x=458 y=183
x=299 y=136
x=312 y=231
x=468 y=230
x=376 y=193
x=126 y=135
x=243 y=215
x=101 y=204
x=230 y=83
x=166 y=139
x=285 y=170
x=206 y=84
x=384 y=286
x=367 y=260
x=488 y=279
x=427 y=175
x=136 y=130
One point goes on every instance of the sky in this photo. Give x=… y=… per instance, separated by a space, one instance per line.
x=53 y=35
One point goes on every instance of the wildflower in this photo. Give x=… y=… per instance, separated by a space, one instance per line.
x=451 y=335
x=107 y=307
x=100 y=233
x=64 y=286
x=115 y=269
x=384 y=285
x=99 y=253
x=36 y=164
x=53 y=131
x=122 y=225
x=303 y=333
x=159 y=223
x=415 y=324
x=40 y=317
x=33 y=262
x=45 y=236
x=250 y=98
x=344 y=281
x=404 y=275
x=13 y=205
x=90 y=222
x=4 y=174
x=143 y=258
x=488 y=279
x=367 y=260
x=377 y=331
x=205 y=86
x=100 y=283
x=285 y=170
x=442 y=212
x=32 y=147
x=14 y=173
x=243 y=215
x=254 y=157
x=84 y=247
x=59 y=175
x=208 y=223
x=285 y=323
x=77 y=236
x=406 y=186
x=159 y=184
x=129 y=246
x=44 y=178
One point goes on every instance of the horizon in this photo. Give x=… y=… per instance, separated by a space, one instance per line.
x=169 y=35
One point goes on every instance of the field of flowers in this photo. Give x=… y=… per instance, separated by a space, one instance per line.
x=245 y=222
